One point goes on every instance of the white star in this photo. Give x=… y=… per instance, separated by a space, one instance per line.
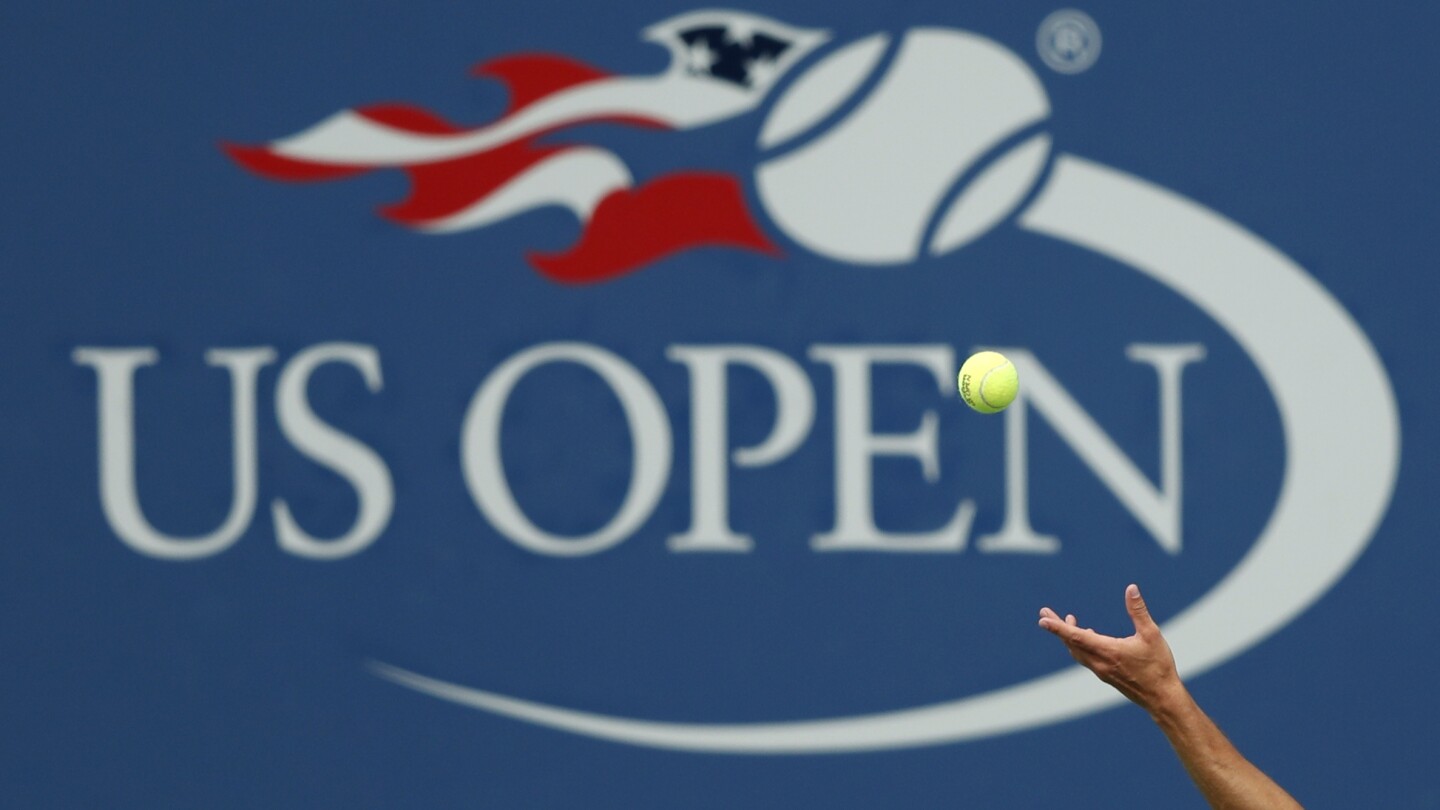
x=741 y=32
x=762 y=71
x=699 y=58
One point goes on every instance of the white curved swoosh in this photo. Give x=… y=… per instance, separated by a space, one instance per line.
x=1342 y=456
x=1342 y=442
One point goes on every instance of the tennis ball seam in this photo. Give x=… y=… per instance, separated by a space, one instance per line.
x=980 y=389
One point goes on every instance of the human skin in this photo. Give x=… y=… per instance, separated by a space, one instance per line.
x=1142 y=668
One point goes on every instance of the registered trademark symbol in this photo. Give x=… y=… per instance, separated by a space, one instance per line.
x=1068 y=41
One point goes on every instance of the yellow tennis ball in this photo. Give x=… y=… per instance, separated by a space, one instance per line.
x=988 y=382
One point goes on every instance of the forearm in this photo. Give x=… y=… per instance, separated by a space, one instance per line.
x=1223 y=775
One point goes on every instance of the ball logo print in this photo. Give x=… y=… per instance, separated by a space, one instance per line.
x=883 y=152
x=905 y=174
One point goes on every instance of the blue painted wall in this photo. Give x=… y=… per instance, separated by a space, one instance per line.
x=240 y=679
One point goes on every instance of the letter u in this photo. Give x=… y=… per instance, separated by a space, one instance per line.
x=115 y=372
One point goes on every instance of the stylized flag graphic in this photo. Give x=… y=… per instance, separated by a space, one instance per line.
x=723 y=63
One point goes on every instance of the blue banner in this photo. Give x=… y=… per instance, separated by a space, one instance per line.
x=431 y=405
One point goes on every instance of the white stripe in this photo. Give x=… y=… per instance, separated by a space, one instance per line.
x=576 y=178
x=675 y=99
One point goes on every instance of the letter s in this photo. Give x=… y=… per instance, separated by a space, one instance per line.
x=357 y=463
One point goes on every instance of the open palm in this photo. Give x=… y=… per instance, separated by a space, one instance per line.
x=1140 y=666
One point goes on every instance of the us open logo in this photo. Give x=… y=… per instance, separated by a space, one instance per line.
x=873 y=153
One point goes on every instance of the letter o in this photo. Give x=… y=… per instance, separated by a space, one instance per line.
x=649 y=435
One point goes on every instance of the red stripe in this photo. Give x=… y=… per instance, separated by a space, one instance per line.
x=440 y=189
x=409 y=118
x=260 y=160
x=533 y=76
x=676 y=212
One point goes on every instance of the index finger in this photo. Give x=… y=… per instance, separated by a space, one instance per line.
x=1074 y=636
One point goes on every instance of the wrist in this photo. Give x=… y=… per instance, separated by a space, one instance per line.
x=1169 y=701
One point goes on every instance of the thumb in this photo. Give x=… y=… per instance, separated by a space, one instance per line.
x=1139 y=613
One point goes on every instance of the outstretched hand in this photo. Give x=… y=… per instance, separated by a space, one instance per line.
x=1140 y=666
x=1142 y=669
